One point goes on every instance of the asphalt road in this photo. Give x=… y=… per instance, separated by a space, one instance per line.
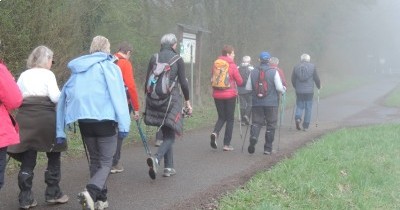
x=203 y=174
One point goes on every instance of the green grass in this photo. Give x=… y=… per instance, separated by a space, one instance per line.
x=393 y=99
x=356 y=168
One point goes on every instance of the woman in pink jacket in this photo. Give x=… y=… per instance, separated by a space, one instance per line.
x=225 y=100
x=10 y=99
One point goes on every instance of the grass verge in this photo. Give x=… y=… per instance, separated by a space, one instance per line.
x=354 y=168
x=393 y=99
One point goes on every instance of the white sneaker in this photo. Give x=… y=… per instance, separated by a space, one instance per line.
x=86 y=200
x=101 y=205
x=158 y=143
x=227 y=148
x=117 y=169
x=169 y=172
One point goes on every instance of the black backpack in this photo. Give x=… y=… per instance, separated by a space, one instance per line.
x=244 y=73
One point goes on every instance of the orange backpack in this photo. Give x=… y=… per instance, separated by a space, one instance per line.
x=220 y=75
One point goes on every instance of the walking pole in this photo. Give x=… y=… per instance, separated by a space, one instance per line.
x=245 y=134
x=282 y=109
x=291 y=121
x=316 y=124
x=143 y=137
x=240 y=118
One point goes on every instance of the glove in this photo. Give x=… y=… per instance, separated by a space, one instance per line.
x=60 y=140
x=122 y=135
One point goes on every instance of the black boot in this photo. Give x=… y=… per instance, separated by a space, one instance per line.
x=25 y=196
x=254 y=133
x=269 y=138
x=102 y=196
x=53 y=193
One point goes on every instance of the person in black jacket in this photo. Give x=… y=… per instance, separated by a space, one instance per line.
x=304 y=76
x=166 y=113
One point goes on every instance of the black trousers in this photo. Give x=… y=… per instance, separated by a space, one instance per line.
x=226 y=112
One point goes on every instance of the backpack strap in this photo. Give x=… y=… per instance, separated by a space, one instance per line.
x=171 y=62
x=174 y=59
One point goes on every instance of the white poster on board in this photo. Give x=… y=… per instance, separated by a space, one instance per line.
x=188 y=47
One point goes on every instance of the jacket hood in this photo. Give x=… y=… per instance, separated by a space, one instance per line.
x=85 y=62
x=226 y=58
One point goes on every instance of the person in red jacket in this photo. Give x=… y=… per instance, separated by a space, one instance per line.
x=225 y=100
x=127 y=70
x=10 y=99
x=274 y=62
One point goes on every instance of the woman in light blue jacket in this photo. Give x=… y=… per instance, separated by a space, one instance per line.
x=95 y=96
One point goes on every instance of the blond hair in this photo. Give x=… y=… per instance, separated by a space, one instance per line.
x=39 y=57
x=100 y=44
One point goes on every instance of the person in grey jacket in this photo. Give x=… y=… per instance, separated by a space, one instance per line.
x=304 y=76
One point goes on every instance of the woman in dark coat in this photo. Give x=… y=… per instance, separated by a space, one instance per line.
x=37 y=120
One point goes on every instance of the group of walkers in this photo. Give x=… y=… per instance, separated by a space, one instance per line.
x=259 y=91
x=101 y=97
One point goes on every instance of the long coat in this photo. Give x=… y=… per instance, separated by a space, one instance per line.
x=10 y=99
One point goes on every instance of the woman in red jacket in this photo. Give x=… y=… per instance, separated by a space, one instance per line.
x=10 y=99
x=225 y=100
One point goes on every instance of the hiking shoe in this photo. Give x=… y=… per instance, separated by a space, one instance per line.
x=169 y=172
x=33 y=204
x=86 y=200
x=227 y=148
x=267 y=152
x=158 y=143
x=117 y=169
x=152 y=162
x=100 y=205
x=62 y=199
x=305 y=129
x=298 y=124
x=251 y=148
x=213 y=142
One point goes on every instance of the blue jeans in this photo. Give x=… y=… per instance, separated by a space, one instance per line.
x=3 y=163
x=304 y=102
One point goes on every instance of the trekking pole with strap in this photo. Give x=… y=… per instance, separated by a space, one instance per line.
x=282 y=110
x=143 y=137
x=316 y=124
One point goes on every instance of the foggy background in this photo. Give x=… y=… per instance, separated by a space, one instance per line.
x=346 y=39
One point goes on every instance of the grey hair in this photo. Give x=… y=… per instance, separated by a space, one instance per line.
x=39 y=57
x=246 y=59
x=169 y=39
x=100 y=44
x=305 y=57
x=274 y=60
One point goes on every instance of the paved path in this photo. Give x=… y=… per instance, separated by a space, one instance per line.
x=204 y=173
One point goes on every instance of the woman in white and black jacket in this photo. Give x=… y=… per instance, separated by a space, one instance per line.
x=37 y=120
